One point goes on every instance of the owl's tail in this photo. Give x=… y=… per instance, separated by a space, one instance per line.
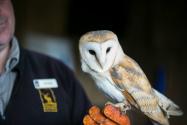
x=167 y=105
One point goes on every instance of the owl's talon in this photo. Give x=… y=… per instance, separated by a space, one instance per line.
x=126 y=107
x=122 y=106
x=109 y=103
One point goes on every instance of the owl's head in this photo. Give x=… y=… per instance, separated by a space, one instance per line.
x=99 y=50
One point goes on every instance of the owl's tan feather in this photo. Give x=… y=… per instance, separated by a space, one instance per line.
x=133 y=74
x=99 y=36
x=129 y=77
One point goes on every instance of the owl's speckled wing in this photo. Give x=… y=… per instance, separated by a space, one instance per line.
x=128 y=76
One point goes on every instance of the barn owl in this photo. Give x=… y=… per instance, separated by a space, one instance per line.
x=121 y=78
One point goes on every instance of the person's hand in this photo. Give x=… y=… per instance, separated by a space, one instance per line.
x=109 y=116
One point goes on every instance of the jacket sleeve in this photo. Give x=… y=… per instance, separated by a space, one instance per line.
x=80 y=101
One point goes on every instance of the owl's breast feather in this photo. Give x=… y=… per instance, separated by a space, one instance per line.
x=108 y=88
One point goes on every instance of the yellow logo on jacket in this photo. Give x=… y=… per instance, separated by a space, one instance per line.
x=48 y=99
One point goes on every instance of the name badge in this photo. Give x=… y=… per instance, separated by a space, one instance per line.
x=45 y=83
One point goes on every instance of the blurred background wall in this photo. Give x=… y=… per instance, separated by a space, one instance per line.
x=154 y=33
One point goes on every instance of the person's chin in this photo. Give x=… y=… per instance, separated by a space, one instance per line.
x=4 y=38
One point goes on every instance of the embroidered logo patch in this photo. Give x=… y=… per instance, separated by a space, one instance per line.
x=48 y=100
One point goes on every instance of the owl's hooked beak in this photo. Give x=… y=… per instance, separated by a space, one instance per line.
x=101 y=61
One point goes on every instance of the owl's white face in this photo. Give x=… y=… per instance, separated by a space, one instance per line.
x=99 y=57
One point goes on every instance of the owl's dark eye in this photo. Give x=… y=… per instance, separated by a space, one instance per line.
x=92 y=52
x=108 y=49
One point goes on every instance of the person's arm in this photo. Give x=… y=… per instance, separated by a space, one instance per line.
x=80 y=104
